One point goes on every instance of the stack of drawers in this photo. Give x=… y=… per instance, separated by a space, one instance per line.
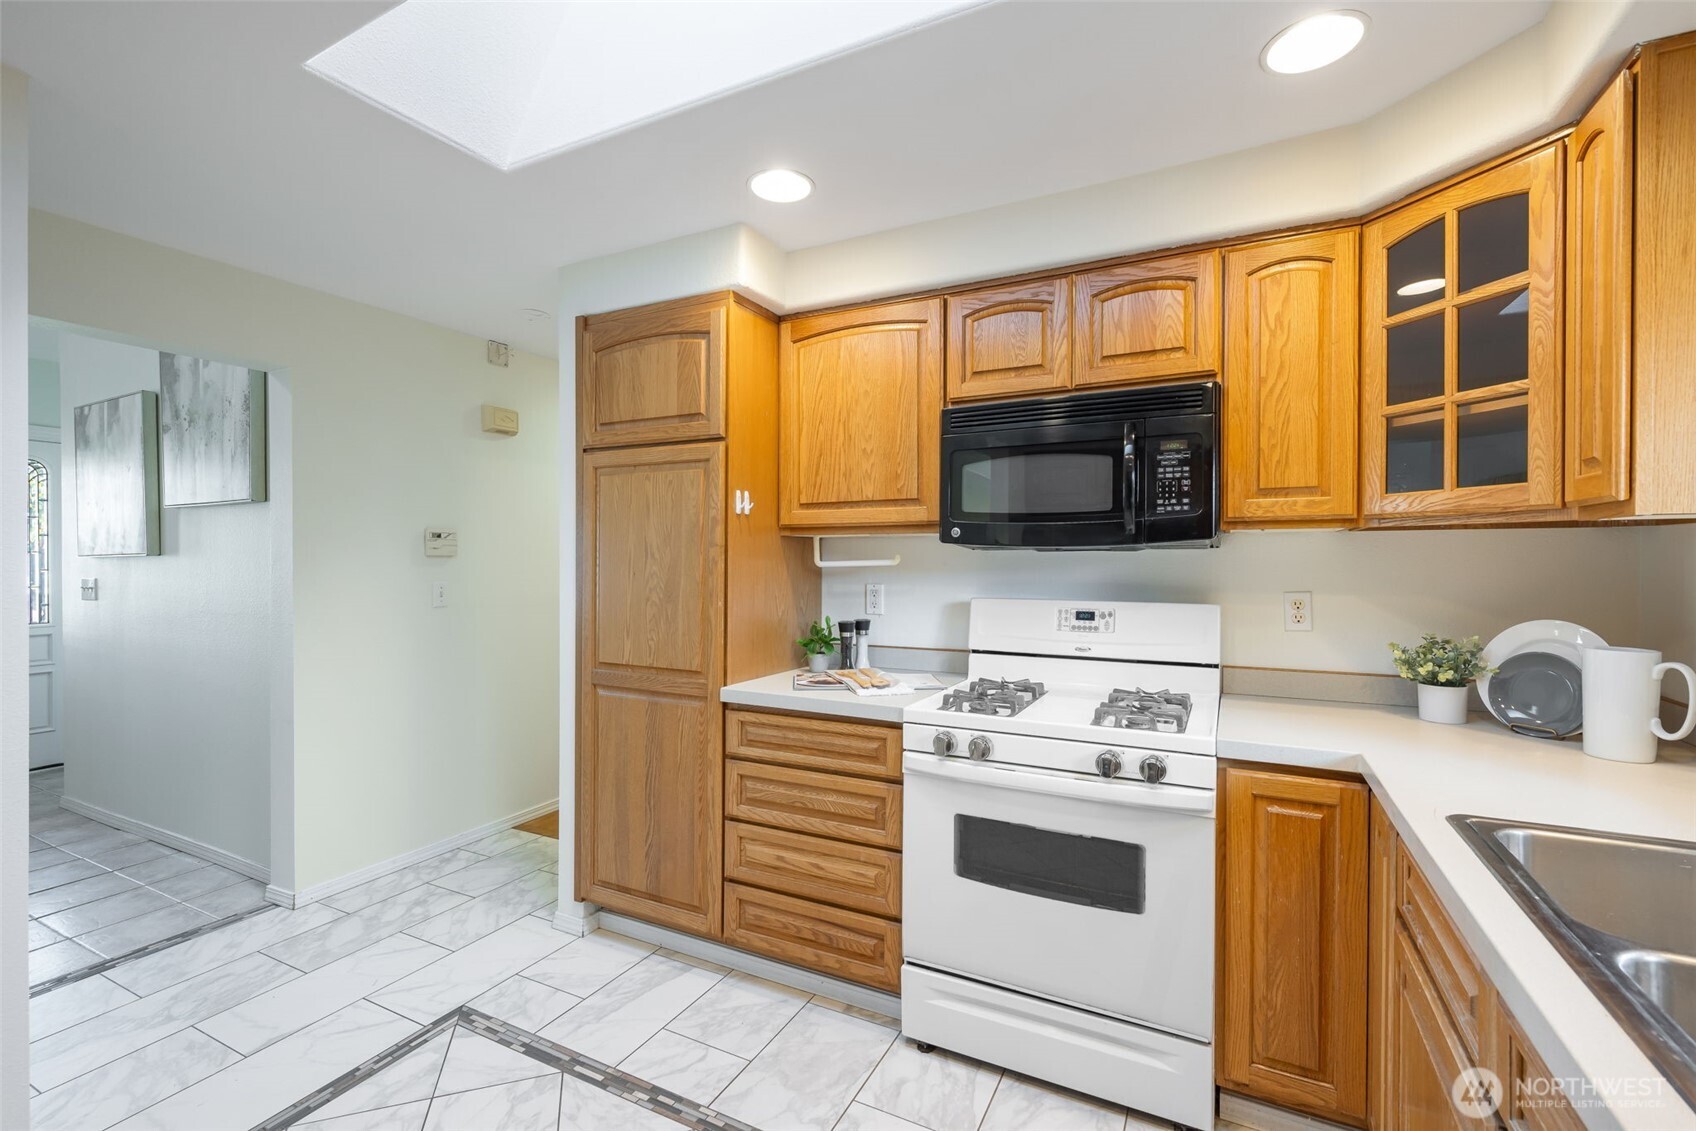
x=812 y=839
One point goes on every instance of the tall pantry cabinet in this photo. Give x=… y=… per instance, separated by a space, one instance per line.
x=684 y=585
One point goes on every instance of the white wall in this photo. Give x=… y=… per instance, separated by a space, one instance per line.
x=1369 y=587
x=167 y=679
x=410 y=724
x=1668 y=585
x=44 y=392
x=14 y=670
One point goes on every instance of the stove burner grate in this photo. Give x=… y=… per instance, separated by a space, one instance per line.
x=1167 y=712
x=1002 y=697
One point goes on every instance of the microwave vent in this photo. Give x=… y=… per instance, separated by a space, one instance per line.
x=1087 y=408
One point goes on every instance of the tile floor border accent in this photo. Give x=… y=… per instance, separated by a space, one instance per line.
x=166 y=943
x=621 y=1084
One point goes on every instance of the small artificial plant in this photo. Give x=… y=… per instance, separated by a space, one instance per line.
x=819 y=640
x=1441 y=662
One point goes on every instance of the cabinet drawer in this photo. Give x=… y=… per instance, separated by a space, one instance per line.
x=814 y=744
x=848 y=875
x=865 y=812
x=1454 y=973
x=827 y=939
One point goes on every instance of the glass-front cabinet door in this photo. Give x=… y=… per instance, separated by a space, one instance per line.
x=1461 y=359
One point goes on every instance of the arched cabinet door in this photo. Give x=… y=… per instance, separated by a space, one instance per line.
x=1150 y=321
x=1010 y=340
x=1290 y=379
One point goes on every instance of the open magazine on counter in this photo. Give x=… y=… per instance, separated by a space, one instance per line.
x=867 y=681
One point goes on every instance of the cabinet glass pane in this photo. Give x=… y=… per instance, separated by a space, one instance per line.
x=1495 y=240
x=1414 y=453
x=1416 y=274
x=1493 y=438
x=1494 y=341
x=1413 y=363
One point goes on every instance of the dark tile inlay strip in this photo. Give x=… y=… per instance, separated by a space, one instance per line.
x=166 y=943
x=626 y=1087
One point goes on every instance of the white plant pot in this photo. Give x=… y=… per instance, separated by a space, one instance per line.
x=818 y=662
x=1442 y=704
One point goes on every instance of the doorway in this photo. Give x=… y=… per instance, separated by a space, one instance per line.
x=46 y=688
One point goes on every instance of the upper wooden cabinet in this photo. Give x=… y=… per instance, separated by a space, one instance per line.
x=653 y=375
x=1148 y=321
x=861 y=411
x=1461 y=350
x=1293 y=941
x=1010 y=340
x=1598 y=300
x=1291 y=345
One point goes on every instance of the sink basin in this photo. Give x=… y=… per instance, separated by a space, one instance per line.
x=1622 y=911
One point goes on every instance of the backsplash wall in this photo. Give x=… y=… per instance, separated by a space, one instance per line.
x=1368 y=587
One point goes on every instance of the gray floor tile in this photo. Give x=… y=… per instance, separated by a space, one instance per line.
x=126 y=855
x=233 y=900
x=59 y=958
x=162 y=867
x=133 y=934
x=56 y=875
x=99 y=885
x=86 y=917
x=186 y=885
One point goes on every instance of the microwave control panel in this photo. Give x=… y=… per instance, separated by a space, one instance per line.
x=1178 y=477
x=1086 y=620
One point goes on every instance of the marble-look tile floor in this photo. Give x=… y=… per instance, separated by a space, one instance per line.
x=96 y=892
x=229 y=1029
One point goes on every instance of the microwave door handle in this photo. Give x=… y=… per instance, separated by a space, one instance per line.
x=1133 y=481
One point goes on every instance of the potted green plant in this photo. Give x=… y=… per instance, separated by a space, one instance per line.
x=818 y=644
x=1442 y=668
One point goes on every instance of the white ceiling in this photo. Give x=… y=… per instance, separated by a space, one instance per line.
x=195 y=125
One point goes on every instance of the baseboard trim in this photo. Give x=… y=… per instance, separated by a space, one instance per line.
x=849 y=993
x=168 y=838
x=320 y=891
x=573 y=923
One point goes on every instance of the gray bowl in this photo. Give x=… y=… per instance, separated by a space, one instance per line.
x=1539 y=694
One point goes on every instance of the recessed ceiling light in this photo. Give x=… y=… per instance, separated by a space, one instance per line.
x=1422 y=287
x=1313 y=43
x=533 y=314
x=781 y=186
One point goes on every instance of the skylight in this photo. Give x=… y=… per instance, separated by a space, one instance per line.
x=513 y=81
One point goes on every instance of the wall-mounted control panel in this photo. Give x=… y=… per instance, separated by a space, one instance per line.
x=441 y=543
x=500 y=421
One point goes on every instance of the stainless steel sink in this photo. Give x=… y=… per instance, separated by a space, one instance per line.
x=1622 y=911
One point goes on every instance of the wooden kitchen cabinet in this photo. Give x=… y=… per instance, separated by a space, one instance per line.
x=1293 y=941
x=1154 y=320
x=1009 y=341
x=1461 y=347
x=653 y=375
x=1423 y=1057
x=1532 y=1099
x=649 y=808
x=845 y=944
x=861 y=417
x=683 y=587
x=1598 y=299
x=1290 y=380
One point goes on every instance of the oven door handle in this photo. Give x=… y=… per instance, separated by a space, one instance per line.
x=1136 y=795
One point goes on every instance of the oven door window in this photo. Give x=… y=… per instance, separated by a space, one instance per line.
x=1088 y=870
x=1029 y=484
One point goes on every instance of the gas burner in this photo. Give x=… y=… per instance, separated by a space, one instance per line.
x=1164 y=711
x=1003 y=697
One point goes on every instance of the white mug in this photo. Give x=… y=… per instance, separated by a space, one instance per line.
x=1622 y=703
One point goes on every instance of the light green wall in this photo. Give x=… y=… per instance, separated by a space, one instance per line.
x=43 y=393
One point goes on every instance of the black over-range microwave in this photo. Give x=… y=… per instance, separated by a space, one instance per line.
x=1089 y=471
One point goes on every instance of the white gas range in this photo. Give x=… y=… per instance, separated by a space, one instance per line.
x=1058 y=851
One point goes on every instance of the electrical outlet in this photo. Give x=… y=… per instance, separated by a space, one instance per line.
x=874 y=600
x=439 y=595
x=1298 y=612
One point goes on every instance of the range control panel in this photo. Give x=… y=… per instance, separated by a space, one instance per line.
x=1086 y=620
x=1177 y=476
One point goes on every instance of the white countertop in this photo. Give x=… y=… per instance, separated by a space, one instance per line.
x=777 y=693
x=1422 y=773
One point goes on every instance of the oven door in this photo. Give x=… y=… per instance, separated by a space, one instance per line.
x=1070 y=486
x=1099 y=894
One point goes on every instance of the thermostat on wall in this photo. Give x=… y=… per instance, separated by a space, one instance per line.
x=441 y=543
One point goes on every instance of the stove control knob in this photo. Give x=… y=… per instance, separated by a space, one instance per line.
x=1153 y=769
x=1108 y=763
x=943 y=743
x=980 y=747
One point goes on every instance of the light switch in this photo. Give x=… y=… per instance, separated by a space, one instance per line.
x=439 y=595
x=91 y=589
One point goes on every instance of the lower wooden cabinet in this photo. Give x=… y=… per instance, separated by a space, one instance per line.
x=812 y=833
x=847 y=944
x=1293 y=942
x=1421 y=1053
x=1531 y=1097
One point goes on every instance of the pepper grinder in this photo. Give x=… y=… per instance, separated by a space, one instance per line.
x=846 y=655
